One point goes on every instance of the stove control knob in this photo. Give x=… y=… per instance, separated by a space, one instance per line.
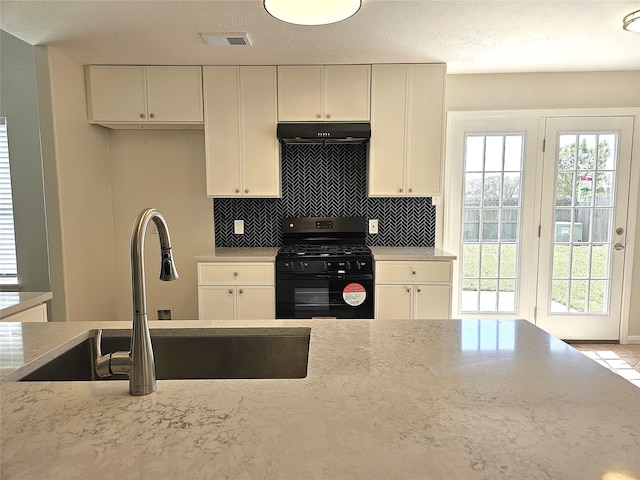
x=347 y=267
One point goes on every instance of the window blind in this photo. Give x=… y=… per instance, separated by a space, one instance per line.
x=8 y=266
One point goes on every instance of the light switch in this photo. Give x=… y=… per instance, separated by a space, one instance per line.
x=238 y=227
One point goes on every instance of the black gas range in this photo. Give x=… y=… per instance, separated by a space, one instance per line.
x=324 y=269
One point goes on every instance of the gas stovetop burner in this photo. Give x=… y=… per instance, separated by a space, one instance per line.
x=313 y=250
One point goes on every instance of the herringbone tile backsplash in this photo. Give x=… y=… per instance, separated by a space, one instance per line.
x=324 y=181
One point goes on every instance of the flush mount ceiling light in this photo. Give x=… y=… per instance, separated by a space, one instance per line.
x=632 y=22
x=312 y=12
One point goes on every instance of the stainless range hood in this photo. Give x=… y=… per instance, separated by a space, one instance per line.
x=323 y=132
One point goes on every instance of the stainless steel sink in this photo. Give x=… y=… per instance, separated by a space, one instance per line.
x=241 y=353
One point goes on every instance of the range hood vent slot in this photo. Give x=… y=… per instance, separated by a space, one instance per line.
x=323 y=132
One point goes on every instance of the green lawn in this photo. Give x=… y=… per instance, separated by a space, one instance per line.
x=571 y=271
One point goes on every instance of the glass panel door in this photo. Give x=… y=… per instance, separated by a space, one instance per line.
x=584 y=210
x=493 y=231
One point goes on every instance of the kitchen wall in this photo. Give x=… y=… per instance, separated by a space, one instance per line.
x=163 y=169
x=78 y=191
x=324 y=181
x=19 y=104
x=519 y=91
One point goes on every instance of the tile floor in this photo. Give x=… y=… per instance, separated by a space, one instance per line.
x=622 y=359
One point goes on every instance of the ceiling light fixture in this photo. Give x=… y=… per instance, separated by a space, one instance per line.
x=631 y=22
x=312 y=12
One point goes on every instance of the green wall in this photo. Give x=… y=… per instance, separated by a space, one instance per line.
x=19 y=104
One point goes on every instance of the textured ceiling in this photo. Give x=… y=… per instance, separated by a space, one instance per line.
x=472 y=36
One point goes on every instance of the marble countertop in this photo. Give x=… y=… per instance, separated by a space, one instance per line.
x=14 y=302
x=404 y=399
x=229 y=254
x=410 y=253
x=268 y=254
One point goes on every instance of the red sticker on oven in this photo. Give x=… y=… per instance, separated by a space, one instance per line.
x=354 y=294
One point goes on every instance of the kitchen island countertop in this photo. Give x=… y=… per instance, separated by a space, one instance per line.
x=404 y=399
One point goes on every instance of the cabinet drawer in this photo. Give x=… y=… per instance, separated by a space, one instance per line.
x=236 y=273
x=413 y=272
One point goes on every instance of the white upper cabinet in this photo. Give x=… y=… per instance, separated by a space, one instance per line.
x=407 y=113
x=242 y=151
x=129 y=96
x=336 y=93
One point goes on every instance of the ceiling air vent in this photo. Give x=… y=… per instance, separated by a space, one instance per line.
x=227 y=39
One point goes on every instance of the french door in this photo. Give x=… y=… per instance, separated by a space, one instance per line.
x=492 y=174
x=539 y=227
x=583 y=226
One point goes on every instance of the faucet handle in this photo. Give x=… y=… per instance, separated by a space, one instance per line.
x=102 y=362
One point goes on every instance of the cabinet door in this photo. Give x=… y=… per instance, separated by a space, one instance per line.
x=413 y=272
x=388 y=124
x=300 y=94
x=230 y=273
x=393 y=301
x=347 y=91
x=256 y=302
x=221 y=129
x=217 y=303
x=116 y=94
x=33 y=314
x=424 y=130
x=432 y=301
x=260 y=148
x=174 y=94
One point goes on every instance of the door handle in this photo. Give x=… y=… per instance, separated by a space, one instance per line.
x=618 y=246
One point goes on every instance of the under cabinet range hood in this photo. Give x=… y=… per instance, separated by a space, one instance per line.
x=323 y=132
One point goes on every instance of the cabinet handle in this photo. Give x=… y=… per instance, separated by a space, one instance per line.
x=419 y=290
x=240 y=291
x=230 y=291
x=408 y=290
x=152 y=115
x=142 y=115
x=410 y=190
x=237 y=190
x=246 y=190
x=400 y=190
x=328 y=115
x=318 y=115
x=414 y=272
x=235 y=274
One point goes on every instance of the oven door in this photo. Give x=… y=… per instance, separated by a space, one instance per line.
x=336 y=296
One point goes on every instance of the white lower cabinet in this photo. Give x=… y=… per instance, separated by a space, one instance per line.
x=242 y=291
x=415 y=290
x=33 y=314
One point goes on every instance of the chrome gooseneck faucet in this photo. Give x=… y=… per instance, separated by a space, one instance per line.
x=139 y=363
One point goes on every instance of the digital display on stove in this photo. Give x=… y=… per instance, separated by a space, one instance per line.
x=324 y=225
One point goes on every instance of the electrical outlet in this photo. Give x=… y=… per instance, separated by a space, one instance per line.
x=373 y=227
x=164 y=314
x=238 y=227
